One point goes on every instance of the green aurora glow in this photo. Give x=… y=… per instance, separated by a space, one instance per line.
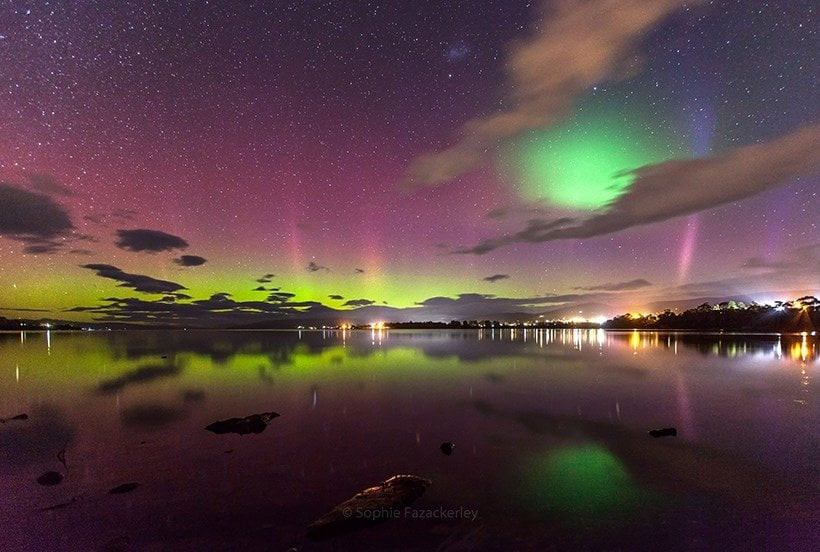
x=580 y=164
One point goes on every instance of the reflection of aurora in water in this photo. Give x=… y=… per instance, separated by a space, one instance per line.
x=358 y=406
x=583 y=480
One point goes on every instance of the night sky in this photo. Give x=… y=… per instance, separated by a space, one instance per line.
x=225 y=161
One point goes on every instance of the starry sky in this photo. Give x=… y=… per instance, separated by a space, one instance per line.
x=224 y=161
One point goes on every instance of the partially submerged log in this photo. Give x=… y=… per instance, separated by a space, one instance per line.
x=255 y=423
x=370 y=506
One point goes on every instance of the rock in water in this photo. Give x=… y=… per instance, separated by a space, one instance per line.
x=665 y=432
x=50 y=479
x=255 y=423
x=447 y=448
x=124 y=488
x=372 y=505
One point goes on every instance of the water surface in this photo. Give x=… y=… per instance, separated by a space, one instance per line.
x=550 y=432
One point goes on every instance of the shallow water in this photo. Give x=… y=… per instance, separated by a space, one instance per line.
x=550 y=432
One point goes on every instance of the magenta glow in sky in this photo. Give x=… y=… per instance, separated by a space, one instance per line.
x=157 y=159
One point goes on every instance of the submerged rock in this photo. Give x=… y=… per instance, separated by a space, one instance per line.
x=447 y=448
x=124 y=488
x=255 y=423
x=665 y=432
x=18 y=417
x=372 y=505
x=50 y=478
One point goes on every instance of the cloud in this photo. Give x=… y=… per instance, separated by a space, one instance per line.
x=359 y=271
x=142 y=374
x=314 y=267
x=680 y=187
x=137 y=282
x=638 y=283
x=806 y=256
x=281 y=297
x=495 y=277
x=260 y=288
x=151 y=241
x=190 y=260
x=359 y=303
x=47 y=184
x=760 y=262
x=34 y=219
x=574 y=47
x=267 y=278
x=336 y=297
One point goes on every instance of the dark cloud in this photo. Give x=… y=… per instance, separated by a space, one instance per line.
x=260 y=288
x=336 y=297
x=44 y=247
x=359 y=303
x=81 y=252
x=281 y=296
x=266 y=278
x=574 y=46
x=151 y=241
x=496 y=277
x=804 y=257
x=680 y=187
x=34 y=219
x=137 y=282
x=760 y=262
x=638 y=283
x=190 y=260
x=314 y=267
x=359 y=271
x=47 y=184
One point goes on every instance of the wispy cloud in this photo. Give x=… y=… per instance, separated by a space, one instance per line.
x=680 y=187
x=638 y=283
x=575 y=46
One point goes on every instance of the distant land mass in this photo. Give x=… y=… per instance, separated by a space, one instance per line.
x=798 y=315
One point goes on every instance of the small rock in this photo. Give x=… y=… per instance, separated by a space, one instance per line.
x=124 y=488
x=447 y=448
x=665 y=432
x=49 y=479
x=255 y=423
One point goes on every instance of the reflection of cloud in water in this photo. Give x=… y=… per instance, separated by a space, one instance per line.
x=150 y=415
x=39 y=438
x=143 y=374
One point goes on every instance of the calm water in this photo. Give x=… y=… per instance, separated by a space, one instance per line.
x=550 y=432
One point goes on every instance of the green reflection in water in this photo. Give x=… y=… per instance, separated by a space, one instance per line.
x=585 y=480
